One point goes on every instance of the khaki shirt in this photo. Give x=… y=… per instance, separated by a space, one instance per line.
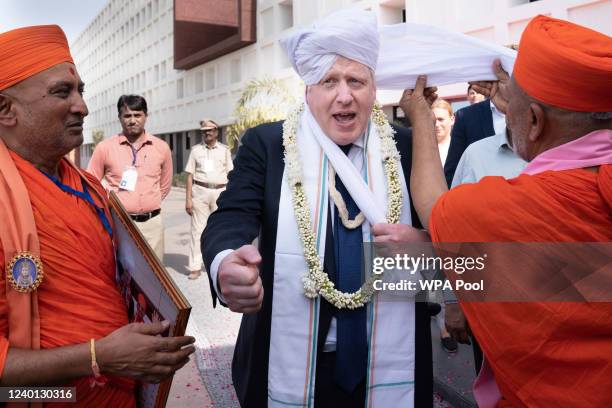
x=210 y=165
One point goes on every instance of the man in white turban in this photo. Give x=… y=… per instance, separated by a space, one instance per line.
x=314 y=189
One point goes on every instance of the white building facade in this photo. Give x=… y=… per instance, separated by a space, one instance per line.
x=129 y=49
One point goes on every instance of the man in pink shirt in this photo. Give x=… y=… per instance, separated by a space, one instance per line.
x=137 y=166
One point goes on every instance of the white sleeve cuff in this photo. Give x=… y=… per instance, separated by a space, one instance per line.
x=214 y=270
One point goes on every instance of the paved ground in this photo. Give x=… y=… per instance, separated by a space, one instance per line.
x=206 y=380
x=453 y=373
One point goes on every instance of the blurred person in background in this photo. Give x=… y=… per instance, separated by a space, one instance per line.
x=445 y=119
x=473 y=96
x=137 y=166
x=207 y=168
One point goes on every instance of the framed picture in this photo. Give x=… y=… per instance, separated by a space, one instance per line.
x=148 y=290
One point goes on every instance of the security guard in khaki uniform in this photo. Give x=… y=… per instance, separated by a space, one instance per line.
x=207 y=168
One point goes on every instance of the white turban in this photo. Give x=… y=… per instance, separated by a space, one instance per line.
x=351 y=33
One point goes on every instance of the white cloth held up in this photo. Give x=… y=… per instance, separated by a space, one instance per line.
x=408 y=50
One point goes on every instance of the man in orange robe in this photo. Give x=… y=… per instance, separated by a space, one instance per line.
x=559 y=111
x=58 y=216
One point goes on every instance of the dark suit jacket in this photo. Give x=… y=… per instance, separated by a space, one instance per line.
x=472 y=123
x=249 y=208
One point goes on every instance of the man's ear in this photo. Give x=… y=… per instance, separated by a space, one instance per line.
x=537 y=118
x=8 y=117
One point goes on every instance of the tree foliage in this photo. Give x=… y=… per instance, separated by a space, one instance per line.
x=262 y=101
x=97 y=136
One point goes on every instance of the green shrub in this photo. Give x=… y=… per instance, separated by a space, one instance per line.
x=179 y=180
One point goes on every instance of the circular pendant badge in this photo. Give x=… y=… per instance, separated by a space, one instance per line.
x=25 y=272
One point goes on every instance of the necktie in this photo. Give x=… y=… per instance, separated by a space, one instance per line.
x=351 y=343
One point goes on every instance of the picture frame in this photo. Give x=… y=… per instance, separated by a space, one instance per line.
x=148 y=290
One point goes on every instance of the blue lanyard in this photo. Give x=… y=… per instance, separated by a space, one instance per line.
x=135 y=152
x=85 y=196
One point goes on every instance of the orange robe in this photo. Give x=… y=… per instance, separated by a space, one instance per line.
x=78 y=298
x=542 y=354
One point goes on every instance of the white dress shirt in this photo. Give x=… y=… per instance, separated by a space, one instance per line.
x=499 y=119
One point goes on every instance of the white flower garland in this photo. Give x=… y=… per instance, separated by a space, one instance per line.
x=317 y=282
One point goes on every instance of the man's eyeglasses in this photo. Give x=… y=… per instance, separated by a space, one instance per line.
x=208 y=130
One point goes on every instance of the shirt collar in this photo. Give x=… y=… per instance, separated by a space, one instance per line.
x=495 y=111
x=211 y=148
x=360 y=141
x=146 y=139
x=502 y=139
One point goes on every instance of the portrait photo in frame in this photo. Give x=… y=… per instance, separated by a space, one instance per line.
x=148 y=290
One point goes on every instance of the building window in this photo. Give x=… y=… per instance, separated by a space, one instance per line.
x=180 y=91
x=210 y=78
x=199 y=82
x=235 y=71
x=267 y=22
x=156 y=73
x=286 y=14
x=163 y=70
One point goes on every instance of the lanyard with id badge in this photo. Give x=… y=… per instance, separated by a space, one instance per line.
x=130 y=174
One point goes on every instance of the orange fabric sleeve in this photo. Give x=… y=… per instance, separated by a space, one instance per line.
x=526 y=343
x=4 y=346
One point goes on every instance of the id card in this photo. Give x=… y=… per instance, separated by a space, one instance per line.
x=128 y=179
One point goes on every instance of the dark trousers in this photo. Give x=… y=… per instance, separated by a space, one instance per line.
x=327 y=392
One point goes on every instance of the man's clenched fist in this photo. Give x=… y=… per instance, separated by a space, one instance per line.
x=239 y=282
